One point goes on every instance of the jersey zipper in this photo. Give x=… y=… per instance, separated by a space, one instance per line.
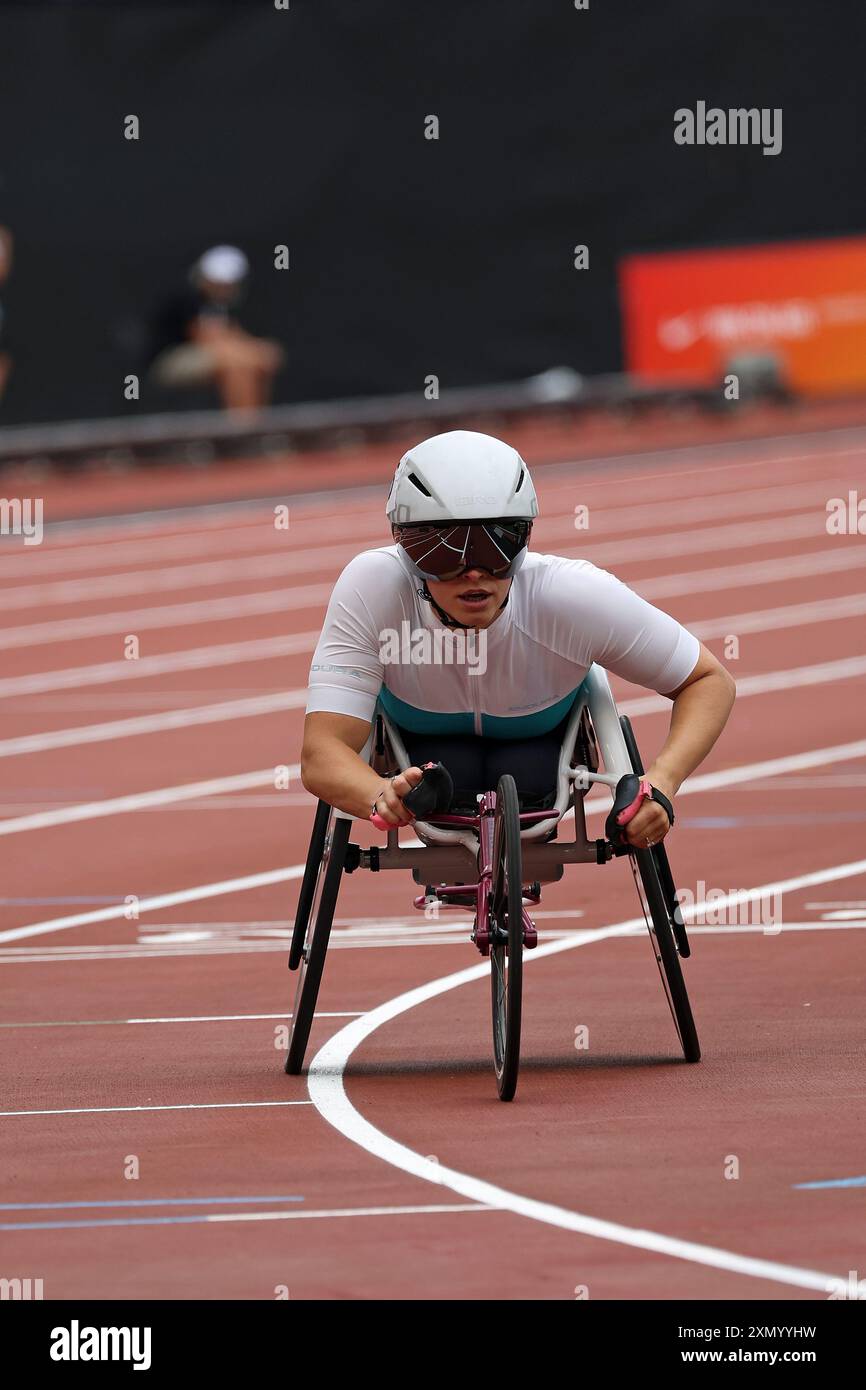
x=475 y=682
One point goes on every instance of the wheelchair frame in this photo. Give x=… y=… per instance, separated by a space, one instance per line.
x=453 y=859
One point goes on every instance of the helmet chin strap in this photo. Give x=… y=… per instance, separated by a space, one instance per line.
x=447 y=619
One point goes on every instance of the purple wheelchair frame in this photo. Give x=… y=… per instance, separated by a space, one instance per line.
x=464 y=869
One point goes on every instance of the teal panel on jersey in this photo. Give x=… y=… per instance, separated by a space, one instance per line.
x=528 y=725
x=423 y=721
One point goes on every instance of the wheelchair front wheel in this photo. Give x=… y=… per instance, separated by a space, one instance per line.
x=308 y=883
x=665 y=951
x=658 y=900
x=506 y=937
x=317 y=932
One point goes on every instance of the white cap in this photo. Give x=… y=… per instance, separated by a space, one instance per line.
x=224 y=265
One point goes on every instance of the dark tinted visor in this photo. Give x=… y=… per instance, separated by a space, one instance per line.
x=447 y=550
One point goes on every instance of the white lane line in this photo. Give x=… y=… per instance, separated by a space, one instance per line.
x=752 y=573
x=20 y=956
x=75 y=535
x=100 y=1223
x=739 y=535
x=133 y=1109
x=711 y=459
x=206 y=946
x=194 y=659
x=267 y=563
x=771 y=767
x=846 y=668
x=747 y=772
x=281 y=600
x=157 y=903
x=141 y=801
x=96 y=554
x=783 y=927
x=212 y=610
x=439 y=1208
x=815 y=757
x=273 y=558
x=327 y=1091
x=556 y=524
x=178 y=577
x=194 y=1018
x=255 y=705
x=224 y=536
x=251 y=707
x=788 y=615
x=661 y=516
x=270 y=648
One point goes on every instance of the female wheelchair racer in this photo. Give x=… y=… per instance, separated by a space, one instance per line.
x=461 y=508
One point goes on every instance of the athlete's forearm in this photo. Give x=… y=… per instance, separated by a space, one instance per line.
x=333 y=772
x=700 y=712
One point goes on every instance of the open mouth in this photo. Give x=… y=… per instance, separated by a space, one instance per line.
x=474 y=596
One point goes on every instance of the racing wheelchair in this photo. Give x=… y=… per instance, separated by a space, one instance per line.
x=493 y=858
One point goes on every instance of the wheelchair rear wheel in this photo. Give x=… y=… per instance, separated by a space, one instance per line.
x=506 y=937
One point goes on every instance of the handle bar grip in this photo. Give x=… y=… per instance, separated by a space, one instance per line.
x=433 y=793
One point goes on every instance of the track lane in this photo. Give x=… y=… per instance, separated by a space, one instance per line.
x=338 y=1261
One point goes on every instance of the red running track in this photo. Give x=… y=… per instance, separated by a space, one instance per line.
x=152 y=1146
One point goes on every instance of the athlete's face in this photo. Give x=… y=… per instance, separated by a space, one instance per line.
x=474 y=599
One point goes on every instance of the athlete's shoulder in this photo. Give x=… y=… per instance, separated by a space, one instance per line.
x=563 y=603
x=559 y=574
x=370 y=568
x=375 y=586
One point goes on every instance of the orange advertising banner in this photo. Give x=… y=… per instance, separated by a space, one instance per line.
x=687 y=313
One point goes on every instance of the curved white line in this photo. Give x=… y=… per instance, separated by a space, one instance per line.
x=327 y=1091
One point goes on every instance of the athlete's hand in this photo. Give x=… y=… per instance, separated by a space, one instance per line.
x=650 y=824
x=389 y=802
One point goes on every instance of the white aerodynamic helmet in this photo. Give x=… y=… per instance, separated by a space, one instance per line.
x=460 y=476
x=461 y=500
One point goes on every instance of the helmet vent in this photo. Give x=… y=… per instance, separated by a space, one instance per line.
x=413 y=478
x=520 y=480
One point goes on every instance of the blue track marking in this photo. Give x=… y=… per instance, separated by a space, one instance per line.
x=833 y=1182
x=111 y=1221
x=128 y=1220
x=142 y=1202
x=210 y=1217
x=112 y=900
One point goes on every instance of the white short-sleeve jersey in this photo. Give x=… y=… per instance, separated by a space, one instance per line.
x=381 y=640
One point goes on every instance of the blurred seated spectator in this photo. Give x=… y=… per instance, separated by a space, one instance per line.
x=5 y=267
x=196 y=337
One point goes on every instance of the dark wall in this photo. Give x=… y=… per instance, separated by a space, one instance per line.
x=408 y=256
